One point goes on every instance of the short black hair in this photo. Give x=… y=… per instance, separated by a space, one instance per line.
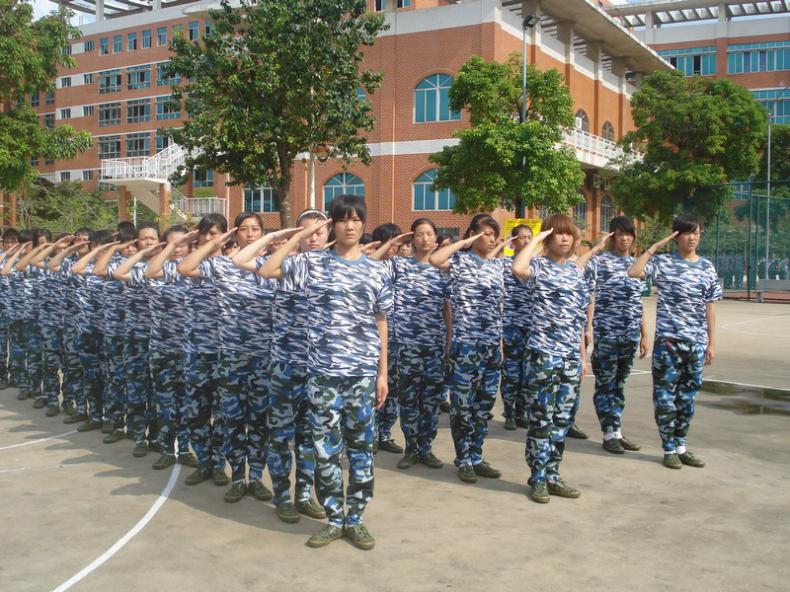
x=477 y=223
x=25 y=236
x=101 y=237
x=365 y=239
x=244 y=215
x=125 y=224
x=345 y=205
x=686 y=223
x=83 y=230
x=209 y=221
x=420 y=221
x=146 y=224
x=11 y=234
x=172 y=229
x=384 y=232
x=518 y=228
x=624 y=224
x=39 y=232
x=125 y=233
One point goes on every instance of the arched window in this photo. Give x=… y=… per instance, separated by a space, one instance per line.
x=580 y=213
x=607 y=131
x=340 y=184
x=427 y=197
x=608 y=212
x=432 y=99
x=260 y=199
x=582 y=121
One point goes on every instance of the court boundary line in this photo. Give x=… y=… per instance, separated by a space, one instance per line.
x=38 y=440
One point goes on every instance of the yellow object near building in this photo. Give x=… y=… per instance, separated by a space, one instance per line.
x=511 y=223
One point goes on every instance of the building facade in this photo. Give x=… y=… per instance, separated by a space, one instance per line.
x=117 y=91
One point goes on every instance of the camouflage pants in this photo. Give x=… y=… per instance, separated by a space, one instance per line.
x=115 y=395
x=3 y=348
x=17 y=362
x=677 y=376
x=341 y=416
x=244 y=393
x=550 y=397
x=167 y=371
x=73 y=378
x=288 y=420
x=473 y=386
x=89 y=399
x=387 y=416
x=52 y=362
x=33 y=357
x=420 y=381
x=201 y=402
x=514 y=372
x=140 y=407
x=611 y=364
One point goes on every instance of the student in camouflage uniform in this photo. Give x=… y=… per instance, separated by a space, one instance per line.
x=420 y=292
x=685 y=326
x=387 y=416
x=168 y=319
x=347 y=362
x=556 y=350
x=15 y=301
x=477 y=290
x=202 y=401
x=287 y=417
x=10 y=240
x=516 y=316
x=619 y=331
x=245 y=310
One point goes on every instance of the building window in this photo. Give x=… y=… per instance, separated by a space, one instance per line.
x=117 y=43
x=147 y=39
x=607 y=213
x=65 y=113
x=49 y=120
x=161 y=36
x=432 y=100
x=207 y=29
x=202 y=178
x=692 y=61
x=87 y=111
x=66 y=50
x=48 y=161
x=89 y=46
x=138 y=111
x=131 y=41
x=776 y=101
x=109 y=114
x=104 y=46
x=580 y=213
x=49 y=98
x=65 y=176
x=65 y=82
x=162 y=142
x=110 y=147
x=260 y=199
x=161 y=79
x=341 y=184
x=138 y=144
x=453 y=232
x=607 y=131
x=138 y=77
x=35 y=100
x=194 y=30
x=87 y=175
x=87 y=78
x=109 y=81
x=167 y=108
x=34 y=161
x=582 y=121
x=770 y=56
x=426 y=197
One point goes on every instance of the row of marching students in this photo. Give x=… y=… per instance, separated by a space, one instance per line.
x=289 y=341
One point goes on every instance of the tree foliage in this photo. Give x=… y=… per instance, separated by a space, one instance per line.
x=64 y=207
x=30 y=53
x=696 y=135
x=274 y=79
x=500 y=161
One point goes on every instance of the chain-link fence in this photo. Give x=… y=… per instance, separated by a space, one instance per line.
x=749 y=241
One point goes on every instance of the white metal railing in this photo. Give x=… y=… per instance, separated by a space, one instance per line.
x=593 y=149
x=159 y=167
x=196 y=207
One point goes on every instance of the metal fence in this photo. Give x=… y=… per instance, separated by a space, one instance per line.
x=749 y=240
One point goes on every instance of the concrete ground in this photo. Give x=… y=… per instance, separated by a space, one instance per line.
x=68 y=500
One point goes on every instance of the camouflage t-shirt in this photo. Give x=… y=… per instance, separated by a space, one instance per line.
x=684 y=290
x=168 y=311
x=201 y=299
x=477 y=288
x=343 y=298
x=618 y=298
x=114 y=301
x=517 y=305
x=90 y=298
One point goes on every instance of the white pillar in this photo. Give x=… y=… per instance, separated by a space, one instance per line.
x=722 y=25
x=99 y=10
x=650 y=34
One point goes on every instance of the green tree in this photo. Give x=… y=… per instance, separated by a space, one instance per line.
x=499 y=161
x=30 y=53
x=274 y=79
x=696 y=135
x=64 y=207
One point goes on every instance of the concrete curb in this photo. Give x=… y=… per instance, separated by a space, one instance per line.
x=736 y=388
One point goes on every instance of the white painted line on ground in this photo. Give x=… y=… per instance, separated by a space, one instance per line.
x=108 y=554
x=11 y=470
x=31 y=442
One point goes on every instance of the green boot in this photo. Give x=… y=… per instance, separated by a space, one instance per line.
x=187 y=459
x=163 y=462
x=672 y=461
x=39 y=403
x=260 y=492
x=630 y=444
x=140 y=449
x=539 y=492
x=510 y=423
x=562 y=489
x=360 y=537
x=467 y=474
x=287 y=513
x=485 y=470
x=311 y=509
x=325 y=536
x=90 y=426
x=52 y=411
x=613 y=445
x=237 y=491
x=409 y=460
x=198 y=476
x=688 y=458
x=429 y=460
x=115 y=436
x=76 y=418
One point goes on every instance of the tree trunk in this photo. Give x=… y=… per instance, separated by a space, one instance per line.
x=284 y=186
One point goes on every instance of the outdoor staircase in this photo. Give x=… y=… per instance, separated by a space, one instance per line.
x=143 y=176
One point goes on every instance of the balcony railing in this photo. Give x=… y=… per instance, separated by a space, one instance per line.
x=591 y=149
x=158 y=167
